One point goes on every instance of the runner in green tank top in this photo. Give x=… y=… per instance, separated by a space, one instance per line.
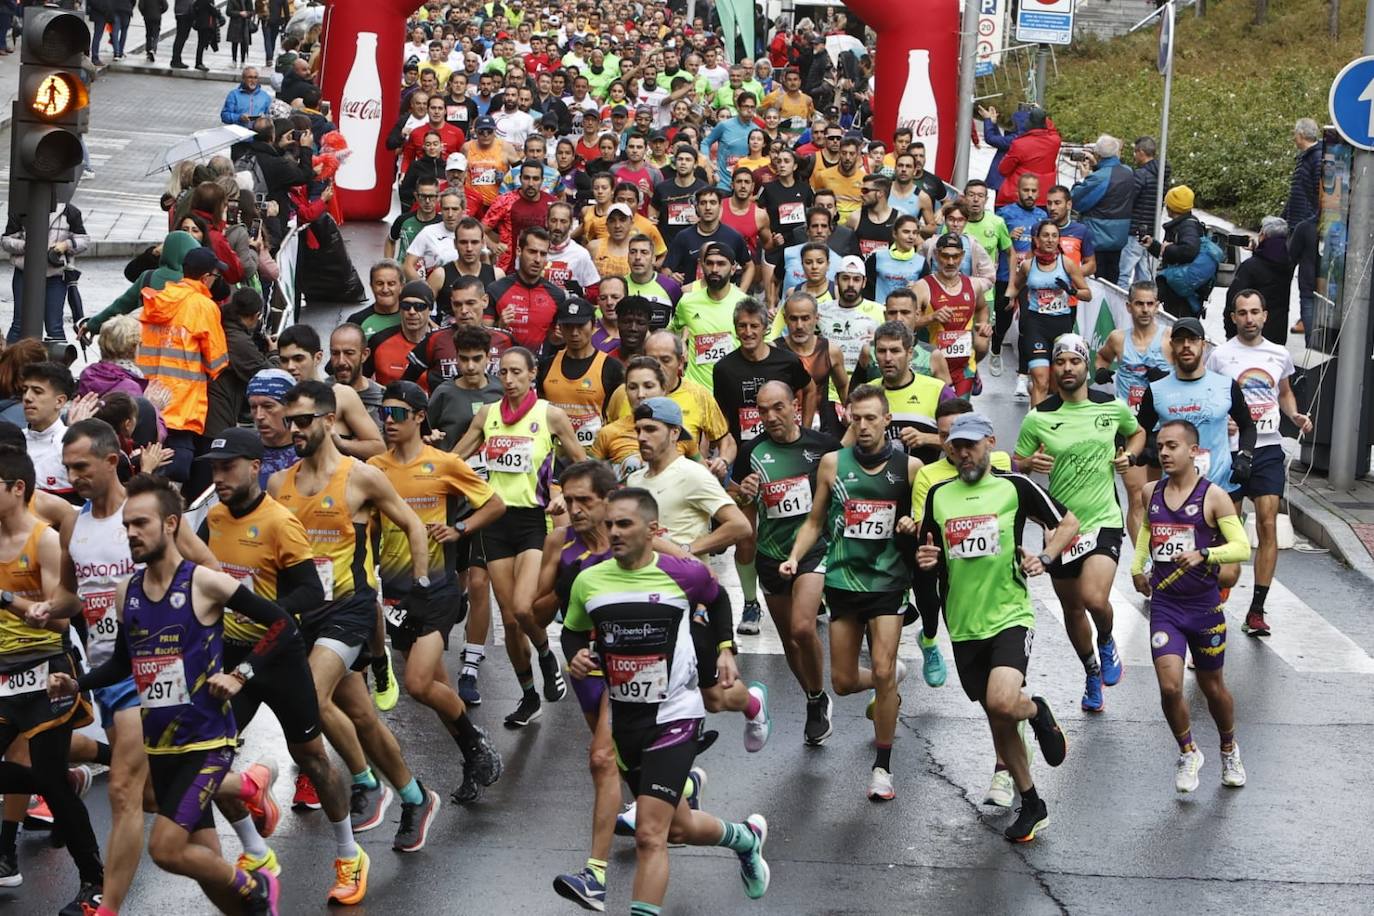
x=971 y=528
x=781 y=484
x=863 y=500
x=1075 y=436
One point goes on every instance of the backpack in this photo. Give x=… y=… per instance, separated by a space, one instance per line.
x=1194 y=280
x=249 y=163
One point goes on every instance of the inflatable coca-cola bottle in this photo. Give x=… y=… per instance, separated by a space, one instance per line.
x=360 y=77
x=903 y=92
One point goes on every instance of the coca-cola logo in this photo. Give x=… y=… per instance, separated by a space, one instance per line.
x=924 y=126
x=362 y=109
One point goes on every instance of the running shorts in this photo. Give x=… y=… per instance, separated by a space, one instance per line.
x=518 y=531
x=1104 y=542
x=350 y=622
x=974 y=659
x=775 y=584
x=185 y=785
x=864 y=606
x=113 y=699
x=284 y=685
x=1038 y=333
x=25 y=708
x=1267 y=474
x=1173 y=629
x=441 y=612
x=655 y=760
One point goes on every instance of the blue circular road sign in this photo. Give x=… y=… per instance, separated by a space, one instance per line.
x=1352 y=102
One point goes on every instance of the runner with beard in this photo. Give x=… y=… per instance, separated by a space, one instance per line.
x=348 y=353
x=705 y=316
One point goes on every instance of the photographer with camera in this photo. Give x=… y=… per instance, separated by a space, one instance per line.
x=66 y=238
x=1103 y=197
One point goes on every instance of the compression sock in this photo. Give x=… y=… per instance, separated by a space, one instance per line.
x=9 y=835
x=748 y=580
x=543 y=651
x=242 y=883
x=103 y=754
x=344 y=845
x=465 y=734
x=639 y=908
x=1257 y=601
x=472 y=658
x=1185 y=742
x=365 y=779
x=411 y=793
x=249 y=837
x=1091 y=666
x=884 y=757
x=1228 y=742
x=526 y=679
x=737 y=837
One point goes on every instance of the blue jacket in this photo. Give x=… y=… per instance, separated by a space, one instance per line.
x=240 y=102
x=1104 y=200
x=1001 y=142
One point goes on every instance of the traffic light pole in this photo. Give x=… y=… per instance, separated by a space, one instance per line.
x=36 y=222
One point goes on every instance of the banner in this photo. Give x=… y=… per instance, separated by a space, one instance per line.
x=1106 y=312
x=736 y=22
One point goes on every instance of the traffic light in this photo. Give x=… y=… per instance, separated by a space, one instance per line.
x=52 y=109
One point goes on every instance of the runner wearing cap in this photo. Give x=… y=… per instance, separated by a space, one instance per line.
x=971 y=534
x=1073 y=437
x=704 y=317
x=579 y=378
x=488 y=159
x=849 y=319
x=431 y=483
x=862 y=507
x=610 y=253
x=456 y=169
x=617 y=442
x=1053 y=285
x=954 y=311
x=391 y=347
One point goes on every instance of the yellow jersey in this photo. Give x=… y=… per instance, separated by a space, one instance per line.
x=253 y=549
x=342 y=548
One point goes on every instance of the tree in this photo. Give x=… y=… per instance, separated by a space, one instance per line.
x=1333 y=20
x=1262 y=11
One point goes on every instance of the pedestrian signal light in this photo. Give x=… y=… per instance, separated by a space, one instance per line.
x=51 y=111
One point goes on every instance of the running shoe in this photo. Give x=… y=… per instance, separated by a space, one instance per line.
x=625 y=821
x=10 y=876
x=268 y=862
x=933 y=667
x=262 y=806
x=977 y=385
x=415 y=823
x=1224 y=594
x=468 y=790
x=487 y=765
x=1029 y=820
x=753 y=870
x=1110 y=659
x=1054 y=745
x=757 y=729
x=262 y=899
x=385 y=691
x=582 y=889
x=529 y=709
x=1092 y=694
x=749 y=619
x=350 y=879
x=367 y=807
x=818 y=723
x=467 y=690
x=86 y=902
x=1186 y=770
x=697 y=778
x=873 y=694
x=306 y=798
x=555 y=688
x=880 y=786
x=1232 y=770
x=81 y=778
x=1022 y=391
x=1254 y=624
x=995 y=365
x=39 y=815
x=1002 y=792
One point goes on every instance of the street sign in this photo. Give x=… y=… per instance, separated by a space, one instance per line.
x=1045 y=21
x=992 y=17
x=1166 y=41
x=1352 y=102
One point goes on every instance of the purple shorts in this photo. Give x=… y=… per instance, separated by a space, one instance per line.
x=589 y=690
x=1175 y=629
x=185 y=785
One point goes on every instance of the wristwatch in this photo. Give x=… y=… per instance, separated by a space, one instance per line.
x=1206 y=552
x=1045 y=560
x=461 y=528
x=6 y=599
x=422 y=581
x=244 y=672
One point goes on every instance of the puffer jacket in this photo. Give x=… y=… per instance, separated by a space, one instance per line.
x=1146 y=178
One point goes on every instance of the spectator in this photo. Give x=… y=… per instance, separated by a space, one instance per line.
x=101 y=13
x=283 y=166
x=208 y=20
x=1035 y=152
x=320 y=124
x=240 y=31
x=117 y=372
x=228 y=391
x=185 y=13
x=273 y=16
x=66 y=238
x=1188 y=260
x=999 y=140
x=174 y=249
x=151 y=11
x=121 y=14
x=1269 y=270
x=1146 y=178
x=296 y=80
x=246 y=101
x=47 y=387
x=1300 y=212
x=8 y=10
x=1104 y=199
x=209 y=202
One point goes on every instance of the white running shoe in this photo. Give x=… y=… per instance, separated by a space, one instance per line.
x=1185 y=773
x=1002 y=792
x=1022 y=392
x=880 y=786
x=757 y=729
x=995 y=364
x=1232 y=770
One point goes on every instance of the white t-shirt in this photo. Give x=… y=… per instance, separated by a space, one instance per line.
x=45 y=450
x=433 y=247
x=513 y=126
x=688 y=495
x=571 y=262
x=1258 y=370
x=717 y=76
x=418 y=53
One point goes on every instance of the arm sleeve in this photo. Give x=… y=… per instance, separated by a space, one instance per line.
x=1146 y=416
x=299 y=589
x=719 y=617
x=281 y=629
x=117 y=668
x=1240 y=412
x=1237 y=546
x=1142 y=549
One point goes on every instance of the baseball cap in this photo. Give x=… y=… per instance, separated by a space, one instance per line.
x=199 y=262
x=643 y=109
x=851 y=264
x=1190 y=327
x=657 y=135
x=1073 y=343
x=664 y=410
x=619 y=110
x=949 y=240
x=621 y=209
x=970 y=427
x=457 y=162
x=485 y=122
x=418 y=291
x=575 y=310
x=270 y=383
x=234 y=442
x=412 y=394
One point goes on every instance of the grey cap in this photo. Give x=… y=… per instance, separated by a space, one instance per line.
x=664 y=410
x=970 y=427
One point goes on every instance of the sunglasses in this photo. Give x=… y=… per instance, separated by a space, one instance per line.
x=396 y=414
x=410 y=305
x=303 y=420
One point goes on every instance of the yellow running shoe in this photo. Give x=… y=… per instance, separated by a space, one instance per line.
x=385 y=691
x=350 y=879
x=267 y=863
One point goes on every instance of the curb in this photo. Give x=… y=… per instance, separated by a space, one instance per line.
x=1326 y=529
x=224 y=76
x=107 y=248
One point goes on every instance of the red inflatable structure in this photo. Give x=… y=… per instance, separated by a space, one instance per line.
x=917 y=84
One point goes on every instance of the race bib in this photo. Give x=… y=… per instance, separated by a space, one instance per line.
x=1051 y=302
x=681 y=213
x=325 y=567
x=510 y=455
x=484 y=178
x=1169 y=542
x=478 y=462
x=395 y=614
x=99 y=610
x=786 y=498
x=711 y=348
x=868 y=246
x=586 y=426
x=637 y=678
x=161 y=681
x=1266 y=417
x=973 y=536
x=792 y=213
x=30 y=680
x=1134 y=395
x=870 y=519
x=1202 y=461
x=955 y=344
x=750 y=425
x=1079 y=547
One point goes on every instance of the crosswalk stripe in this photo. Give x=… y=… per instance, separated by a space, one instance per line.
x=1129 y=626
x=1301 y=636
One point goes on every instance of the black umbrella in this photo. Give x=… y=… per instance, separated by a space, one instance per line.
x=70 y=276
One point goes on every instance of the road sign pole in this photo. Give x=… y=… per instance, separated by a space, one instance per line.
x=1042 y=61
x=40 y=202
x=968 y=63
x=1352 y=365
x=1167 y=29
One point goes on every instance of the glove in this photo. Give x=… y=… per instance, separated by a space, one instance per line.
x=1240 y=467
x=1154 y=374
x=1103 y=376
x=1065 y=285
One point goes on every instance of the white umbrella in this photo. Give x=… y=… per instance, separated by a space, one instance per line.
x=202 y=144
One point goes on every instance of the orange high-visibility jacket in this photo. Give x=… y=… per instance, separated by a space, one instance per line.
x=183 y=347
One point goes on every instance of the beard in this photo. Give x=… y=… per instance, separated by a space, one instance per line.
x=975 y=473
x=716 y=282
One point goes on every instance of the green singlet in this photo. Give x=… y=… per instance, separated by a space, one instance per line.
x=866 y=554
x=786 y=488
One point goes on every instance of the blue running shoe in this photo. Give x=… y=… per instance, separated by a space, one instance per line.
x=582 y=889
x=933 y=668
x=750 y=618
x=467 y=690
x=1092 y=694
x=1111 y=663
